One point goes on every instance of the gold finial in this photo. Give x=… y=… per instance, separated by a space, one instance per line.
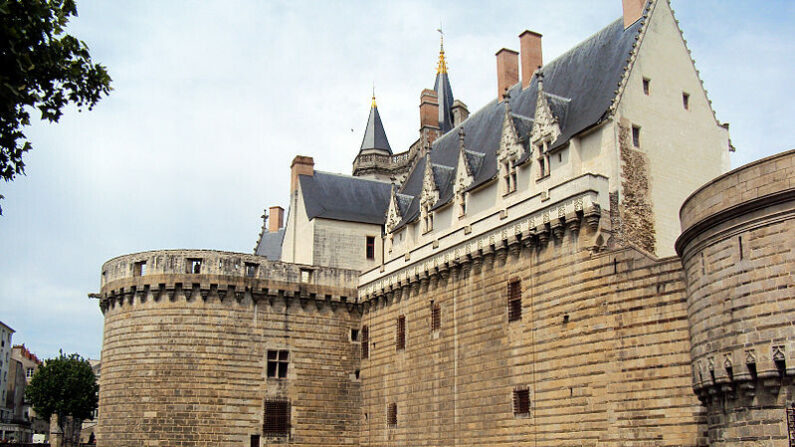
x=372 y=105
x=442 y=66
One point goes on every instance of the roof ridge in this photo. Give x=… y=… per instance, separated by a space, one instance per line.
x=648 y=10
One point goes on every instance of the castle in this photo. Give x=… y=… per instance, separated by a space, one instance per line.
x=571 y=264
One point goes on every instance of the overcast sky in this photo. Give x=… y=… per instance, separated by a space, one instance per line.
x=212 y=100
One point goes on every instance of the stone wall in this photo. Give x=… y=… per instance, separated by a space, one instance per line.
x=738 y=249
x=601 y=348
x=184 y=354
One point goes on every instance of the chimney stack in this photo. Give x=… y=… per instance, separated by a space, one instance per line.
x=276 y=214
x=530 y=43
x=633 y=10
x=507 y=71
x=460 y=112
x=429 y=109
x=302 y=165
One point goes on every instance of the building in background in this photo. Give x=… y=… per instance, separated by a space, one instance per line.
x=6 y=367
x=30 y=364
x=568 y=265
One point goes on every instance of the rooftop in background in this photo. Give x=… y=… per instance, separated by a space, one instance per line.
x=344 y=197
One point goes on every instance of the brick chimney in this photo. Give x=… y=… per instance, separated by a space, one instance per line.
x=633 y=10
x=429 y=109
x=530 y=43
x=301 y=165
x=276 y=222
x=507 y=71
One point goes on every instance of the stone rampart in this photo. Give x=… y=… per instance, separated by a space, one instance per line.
x=738 y=250
x=187 y=338
x=595 y=353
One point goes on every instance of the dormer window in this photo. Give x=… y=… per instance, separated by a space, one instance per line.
x=509 y=176
x=427 y=219
x=543 y=159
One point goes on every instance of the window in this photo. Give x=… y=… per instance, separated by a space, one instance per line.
x=636 y=136
x=686 y=100
x=391 y=415
x=436 y=316
x=277 y=364
x=514 y=301
x=646 y=86
x=365 y=342
x=254 y=441
x=427 y=219
x=400 y=333
x=193 y=266
x=521 y=402
x=277 y=418
x=509 y=176
x=354 y=335
x=29 y=373
x=306 y=275
x=543 y=159
x=462 y=204
x=251 y=269
x=370 y=247
x=139 y=268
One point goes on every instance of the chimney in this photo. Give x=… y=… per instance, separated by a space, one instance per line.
x=633 y=10
x=276 y=214
x=507 y=71
x=530 y=43
x=429 y=109
x=301 y=165
x=460 y=112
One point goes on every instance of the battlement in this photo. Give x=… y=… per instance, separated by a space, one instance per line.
x=191 y=274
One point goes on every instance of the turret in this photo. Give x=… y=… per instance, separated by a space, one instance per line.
x=375 y=154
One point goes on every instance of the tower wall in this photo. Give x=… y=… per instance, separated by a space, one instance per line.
x=601 y=346
x=184 y=359
x=738 y=250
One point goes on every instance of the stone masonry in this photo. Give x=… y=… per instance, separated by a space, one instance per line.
x=184 y=354
x=600 y=347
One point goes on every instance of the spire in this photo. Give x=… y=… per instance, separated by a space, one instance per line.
x=374 y=134
x=443 y=90
x=442 y=66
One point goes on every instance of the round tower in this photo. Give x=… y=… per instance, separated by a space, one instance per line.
x=227 y=349
x=738 y=250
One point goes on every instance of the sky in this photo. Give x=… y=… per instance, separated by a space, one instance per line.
x=213 y=99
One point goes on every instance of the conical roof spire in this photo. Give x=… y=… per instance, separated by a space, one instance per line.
x=374 y=134
x=443 y=90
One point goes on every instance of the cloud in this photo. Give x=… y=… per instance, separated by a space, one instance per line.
x=212 y=100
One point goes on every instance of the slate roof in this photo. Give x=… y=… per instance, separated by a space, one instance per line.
x=344 y=197
x=270 y=245
x=374 y=134
x=580 y=86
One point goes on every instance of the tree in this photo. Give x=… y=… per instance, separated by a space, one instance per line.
x=41 y=68
x=65 y=386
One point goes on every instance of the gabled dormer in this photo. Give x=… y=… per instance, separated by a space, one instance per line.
x=509 y=151
x=469 y=163
x=546 y=128
x=393 y=213
x=429 y=196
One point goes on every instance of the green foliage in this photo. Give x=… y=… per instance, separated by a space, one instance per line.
x=41 y=68
x=65 y=386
